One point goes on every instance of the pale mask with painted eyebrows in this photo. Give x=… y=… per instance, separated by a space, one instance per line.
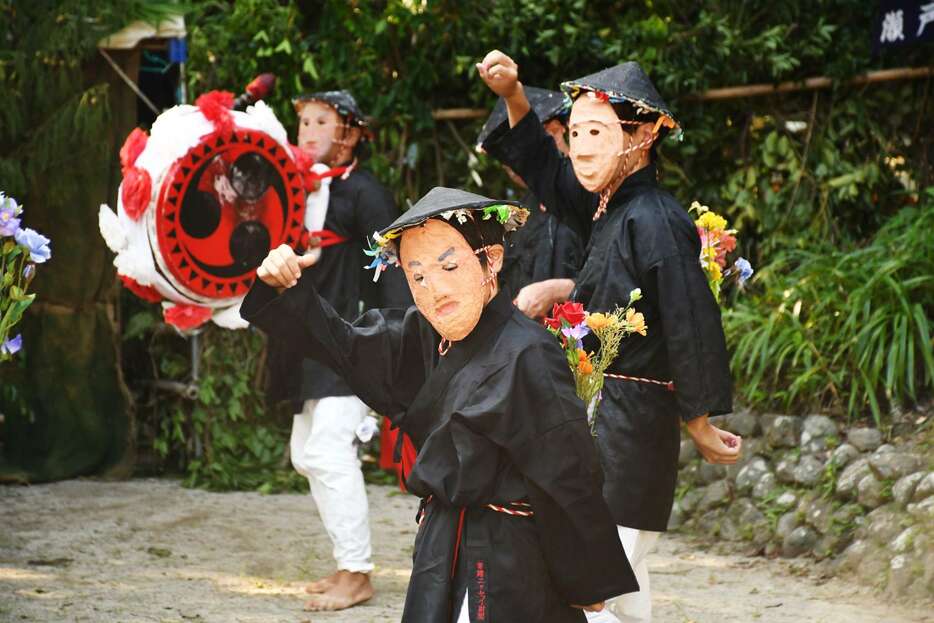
x=596 y=141
x=445 y=277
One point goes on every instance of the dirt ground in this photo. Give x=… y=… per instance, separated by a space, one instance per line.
x=150 y=550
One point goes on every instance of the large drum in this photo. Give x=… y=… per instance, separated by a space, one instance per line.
x=203 y=200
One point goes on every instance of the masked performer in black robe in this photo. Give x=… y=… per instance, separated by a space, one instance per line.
x=544 y=256
x=512 y=522
x=328 y=418
x=638 y=236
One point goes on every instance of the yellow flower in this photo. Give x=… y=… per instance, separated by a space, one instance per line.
x=711 y=220
x=597 y=321
x=714 y=269
x=636 y=321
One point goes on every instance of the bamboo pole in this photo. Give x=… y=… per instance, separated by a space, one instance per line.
x=748 y=90
x=810 y=84
x=448 y=114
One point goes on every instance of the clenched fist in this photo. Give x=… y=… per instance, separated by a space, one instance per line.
x=282 y=267
x=500 y=73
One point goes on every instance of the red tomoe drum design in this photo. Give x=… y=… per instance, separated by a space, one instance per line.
x=223 y=206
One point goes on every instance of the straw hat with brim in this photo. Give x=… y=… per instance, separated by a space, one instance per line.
x=546 y=103
x=625 y=83
x=447 y=204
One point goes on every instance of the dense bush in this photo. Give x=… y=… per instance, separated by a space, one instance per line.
x=842 y=329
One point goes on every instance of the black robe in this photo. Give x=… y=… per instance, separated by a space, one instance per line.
x=357 y=207
x=543 y=248
x=495 y=420
x=645 y=240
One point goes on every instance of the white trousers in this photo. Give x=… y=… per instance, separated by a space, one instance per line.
x=632 y=607
x=629 y=608
x=323 y=450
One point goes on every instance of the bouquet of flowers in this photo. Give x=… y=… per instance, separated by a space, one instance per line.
x=570 y=324
x=716 y=242
x=21 y=248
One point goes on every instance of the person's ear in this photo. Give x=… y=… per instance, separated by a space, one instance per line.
x=353 y=136
x=494 y=254
x=643 y=132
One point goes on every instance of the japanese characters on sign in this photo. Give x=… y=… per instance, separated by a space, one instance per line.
x=901 y=22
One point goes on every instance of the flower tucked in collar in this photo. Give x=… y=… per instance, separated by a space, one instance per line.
x=745 y=270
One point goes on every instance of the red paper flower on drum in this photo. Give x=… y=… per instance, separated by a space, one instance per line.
x=187 y=317
x=133 y=146
x=136 y=192
x=147 y=293
x=216 y=107
x=572 y=312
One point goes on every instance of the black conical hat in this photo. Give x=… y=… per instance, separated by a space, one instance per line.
x=624 y=82
x=546 y=103
x=342 y=101
x=446 y=203
x=443 y=202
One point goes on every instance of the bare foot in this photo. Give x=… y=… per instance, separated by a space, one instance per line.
x=322 y=585
x=349 y=589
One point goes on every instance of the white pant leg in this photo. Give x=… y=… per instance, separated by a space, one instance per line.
x=323 y=450
x=301 y=431
x=636 y=607
x=464 y=616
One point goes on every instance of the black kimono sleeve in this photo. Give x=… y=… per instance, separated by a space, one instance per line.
x=668 y=248
x=529 y=151
x=374 y=209
x=377 y=355
x=543 y=427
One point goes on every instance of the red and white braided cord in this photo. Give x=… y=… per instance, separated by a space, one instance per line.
x=509 y=511
x=669 y=385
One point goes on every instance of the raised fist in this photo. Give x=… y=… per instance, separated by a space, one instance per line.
x=500 y=73
x=282 y=267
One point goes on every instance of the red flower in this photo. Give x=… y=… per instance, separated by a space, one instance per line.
x=136 y=192
x=216 y=107
x=133 y=146
x=570 y=311
x=147 y=293
x=187 y=317
x=600 y=95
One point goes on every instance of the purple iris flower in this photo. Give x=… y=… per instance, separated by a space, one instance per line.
x=9 y=224
x=577 y=333
x=37 y=244
x=745 y=270
x=12 y=345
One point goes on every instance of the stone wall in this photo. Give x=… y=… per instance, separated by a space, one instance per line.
x=807 y=486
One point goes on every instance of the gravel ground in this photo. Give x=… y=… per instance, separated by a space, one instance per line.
x=151 y=550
